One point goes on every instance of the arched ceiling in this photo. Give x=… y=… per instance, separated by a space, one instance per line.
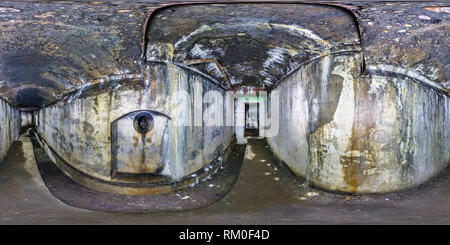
x=51 y=49
x=256 y=44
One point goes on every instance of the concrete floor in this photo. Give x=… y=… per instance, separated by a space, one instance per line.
x=264 y=193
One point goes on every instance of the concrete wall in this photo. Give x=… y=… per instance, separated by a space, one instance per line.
x=10 y=123
x=372 y=134
x=77 y=128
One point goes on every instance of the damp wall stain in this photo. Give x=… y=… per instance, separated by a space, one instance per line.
x=372 y=134
x=184 y=149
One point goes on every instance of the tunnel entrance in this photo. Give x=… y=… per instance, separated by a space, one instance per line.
x=251 y=118
x=250 y=113
x=251 y=122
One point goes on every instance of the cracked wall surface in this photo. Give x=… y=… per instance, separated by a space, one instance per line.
x=78 y=127
x=364 y=87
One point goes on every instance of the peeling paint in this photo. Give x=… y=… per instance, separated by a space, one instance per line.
x=383 y=135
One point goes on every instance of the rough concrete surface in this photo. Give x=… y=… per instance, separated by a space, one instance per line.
x=364 y=90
